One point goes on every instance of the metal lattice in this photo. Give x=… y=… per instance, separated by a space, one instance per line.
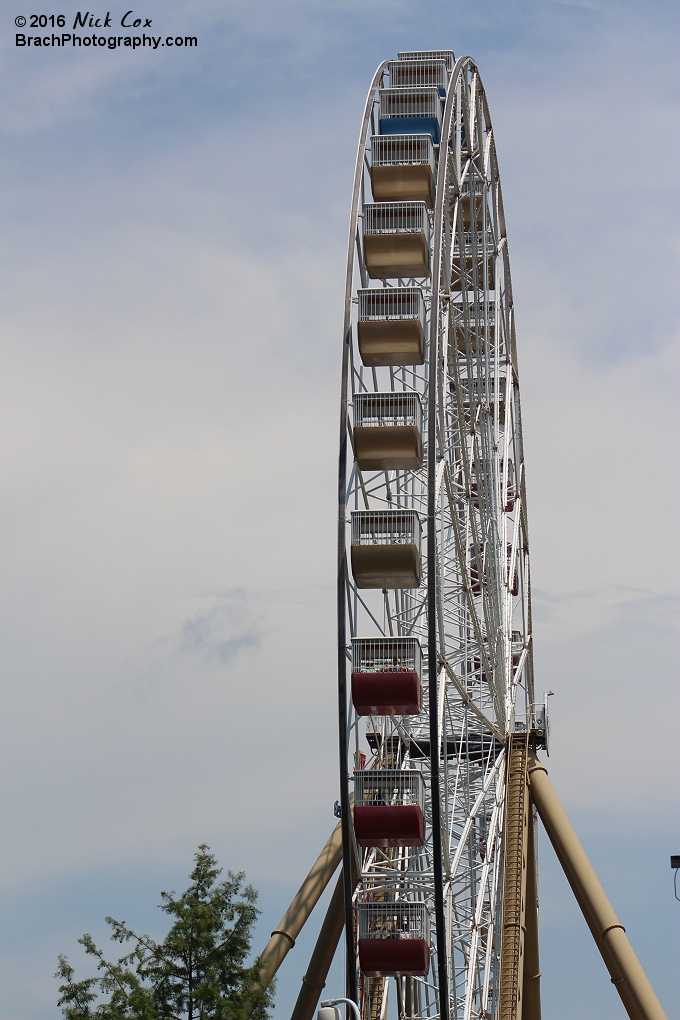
x=456 y=616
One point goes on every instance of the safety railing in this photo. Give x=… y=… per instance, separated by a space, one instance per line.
x=396 y=218
x=447 y=56
x=479 y=240
x=386 y=527
x=475 y=391
x=387 y=655
x=398 y=150
x=402 y=103
x=391 y=303
x=418 y=71
x=389 y=787
x=388 y=409
x=401 y=920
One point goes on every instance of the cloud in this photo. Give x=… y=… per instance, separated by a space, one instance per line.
x=558 y=615
x=205 y=635
x=611 y=657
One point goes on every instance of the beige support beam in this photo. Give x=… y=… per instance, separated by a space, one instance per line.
x=531 y=981
x=283 y=938
x=514 y=880
x=632 y=984
x=326 y=944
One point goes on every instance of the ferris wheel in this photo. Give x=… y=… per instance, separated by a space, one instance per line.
x=439 y=725
x=434 y=598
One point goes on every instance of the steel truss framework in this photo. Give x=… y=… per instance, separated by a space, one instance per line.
x=472 y=610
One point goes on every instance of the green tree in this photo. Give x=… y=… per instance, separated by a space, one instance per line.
x=197 y=972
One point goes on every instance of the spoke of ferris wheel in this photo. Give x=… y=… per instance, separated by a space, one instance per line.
x=486 y=875
x=473 y=813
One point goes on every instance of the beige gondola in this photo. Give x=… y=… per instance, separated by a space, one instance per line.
x=385 y=550
x=388 y=431
x=396 y=240
x=391 y=326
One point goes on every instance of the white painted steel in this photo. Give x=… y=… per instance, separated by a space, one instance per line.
x=484 y=668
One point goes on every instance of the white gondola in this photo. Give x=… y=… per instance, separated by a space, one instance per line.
x=470 y=205
x=472 y=332
x=473 y=262
x=481 y=393
x=447 y=56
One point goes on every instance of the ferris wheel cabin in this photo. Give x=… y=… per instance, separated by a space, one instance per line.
x=481 y=391
x=402 y=168
x=386 y=548
x=389 y=806
x=396 y=240
x=388 y=431
x=411 y=111
x=386 y=676
x=468 y=263
x=391 y=326
x=394 y=939
x=470 y=203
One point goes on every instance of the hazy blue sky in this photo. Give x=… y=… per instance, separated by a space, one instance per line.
x=174 y=230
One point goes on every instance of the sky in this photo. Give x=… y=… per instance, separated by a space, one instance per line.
x=174 y=230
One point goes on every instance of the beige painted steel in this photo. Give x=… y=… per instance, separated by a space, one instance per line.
x=517 y=810
x=283 y=938
x=597 y=909
x=402 y=182
x=388 y=447
x=389 y=256
x=319 y=964
x=391 y=342
x=531 y=980
x=386 y=566
x=377 y=991
x=614 y=973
